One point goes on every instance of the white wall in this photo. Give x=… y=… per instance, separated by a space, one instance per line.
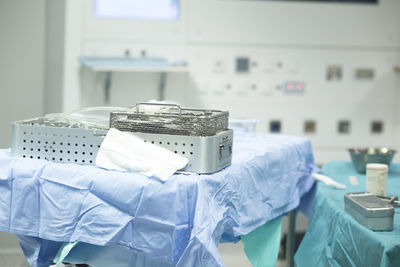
x=303 y=37
x=54 y=55
x=22 y=48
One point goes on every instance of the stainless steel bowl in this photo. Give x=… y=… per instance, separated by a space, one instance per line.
x=362 y=156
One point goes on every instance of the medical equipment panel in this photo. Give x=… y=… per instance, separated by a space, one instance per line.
x=319 y=69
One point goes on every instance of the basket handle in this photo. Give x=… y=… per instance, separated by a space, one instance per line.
x=157 y=104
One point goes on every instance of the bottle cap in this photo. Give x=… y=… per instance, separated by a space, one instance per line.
x=377 y=166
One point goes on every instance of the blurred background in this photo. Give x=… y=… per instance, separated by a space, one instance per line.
x=326 y=70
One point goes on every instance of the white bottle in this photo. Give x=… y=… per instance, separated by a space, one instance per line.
x=376 y=178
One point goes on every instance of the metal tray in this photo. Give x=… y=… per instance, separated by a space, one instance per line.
x=62 y=142
x=59 y=143
x=206 y=154
x=170 y=119
x=369 y=211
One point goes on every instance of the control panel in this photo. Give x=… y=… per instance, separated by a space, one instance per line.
x=339 y=99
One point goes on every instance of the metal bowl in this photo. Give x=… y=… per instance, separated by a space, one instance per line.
x=362 y=156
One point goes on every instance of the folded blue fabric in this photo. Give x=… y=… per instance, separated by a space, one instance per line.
x=179 y=222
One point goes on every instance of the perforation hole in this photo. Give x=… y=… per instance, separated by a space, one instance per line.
x=91 y=153
x=191 y=153
x=176 y=152
x=160 y=143
x=183 y=152
x=152 y=142
x=183 y=144
x=191 y=144
x=31 y=149
x=91 y=161
x=23 y=156
x=68 y=152
x=76 y=160
x=168 y=143
x=31 y=157
x=24 y=141
x=91 y=145
x=53 y=158
x=176 y=143
x=76 y=152
x=31 y=141
x=24 y=148
x=61 y=151
x=83 y=153
x=83 y=161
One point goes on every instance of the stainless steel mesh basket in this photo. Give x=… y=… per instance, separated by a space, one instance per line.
x=170 y=119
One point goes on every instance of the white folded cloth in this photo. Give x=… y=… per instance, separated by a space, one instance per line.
x=123 y=151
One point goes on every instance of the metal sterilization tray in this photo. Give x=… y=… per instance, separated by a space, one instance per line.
x=206 y=154
x=37 y=139
x=58 y=143
x=169 y=119
x=369 y=211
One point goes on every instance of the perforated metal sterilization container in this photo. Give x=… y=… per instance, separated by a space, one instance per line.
x=58 y=140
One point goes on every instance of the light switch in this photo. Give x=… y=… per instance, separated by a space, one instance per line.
x=376 y=127
x=344 y=127
x=334 y=73
x=310 y=126
x=275 y=126
x=242 y=65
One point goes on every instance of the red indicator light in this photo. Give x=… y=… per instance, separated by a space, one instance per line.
x=290 y=86
x=300 y=86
